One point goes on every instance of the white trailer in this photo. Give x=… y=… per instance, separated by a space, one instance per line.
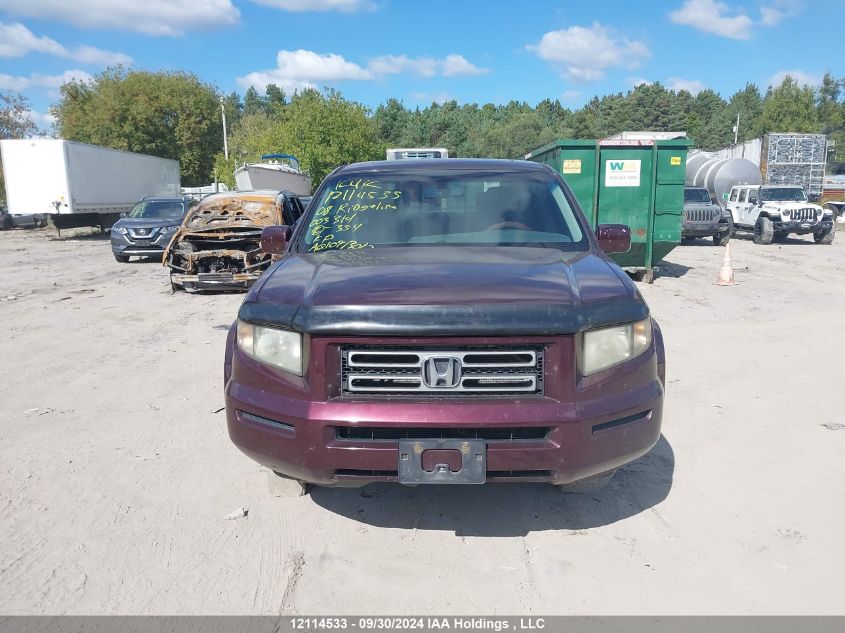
x=400 y=153
x=81 y=185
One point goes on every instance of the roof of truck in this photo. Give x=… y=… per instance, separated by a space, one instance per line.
x=439 y=164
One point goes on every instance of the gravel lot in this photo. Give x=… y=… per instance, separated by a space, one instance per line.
x=116 y=471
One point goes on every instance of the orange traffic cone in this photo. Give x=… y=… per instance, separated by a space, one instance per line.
x=726 y=272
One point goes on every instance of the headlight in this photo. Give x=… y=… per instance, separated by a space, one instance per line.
x=279 y=348
x=172 y=227
x=119 y=230
x=614 y=345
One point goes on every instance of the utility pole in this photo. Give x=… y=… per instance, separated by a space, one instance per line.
x=736 y=129
x=225 y=139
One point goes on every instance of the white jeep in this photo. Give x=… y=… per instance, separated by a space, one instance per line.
x=773 y=212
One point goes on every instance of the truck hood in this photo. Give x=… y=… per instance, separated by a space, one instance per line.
x=444 y=290
x=689 y=206
x=789 y=205
x=147 y=223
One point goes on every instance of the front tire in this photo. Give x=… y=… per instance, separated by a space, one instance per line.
x=825 y=237
x=7 y=223
x=123 y=259
x=720 y=239
x=764 y=231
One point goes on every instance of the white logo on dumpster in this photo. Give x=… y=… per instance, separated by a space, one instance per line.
x=622 y=173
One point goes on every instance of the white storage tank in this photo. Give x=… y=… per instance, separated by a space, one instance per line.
x=718 y=175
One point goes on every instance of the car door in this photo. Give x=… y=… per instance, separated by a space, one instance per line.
x=731 y=204
x=741 y=203
x=752 y=210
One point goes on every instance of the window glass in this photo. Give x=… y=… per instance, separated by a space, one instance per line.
x=429 y=207
x=155 y=209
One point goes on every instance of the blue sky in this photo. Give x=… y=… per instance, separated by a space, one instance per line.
x=424 y=51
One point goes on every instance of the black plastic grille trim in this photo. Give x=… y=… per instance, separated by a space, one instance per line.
x=491 y=434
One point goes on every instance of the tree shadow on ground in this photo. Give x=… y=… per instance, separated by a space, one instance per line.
x=507 y=509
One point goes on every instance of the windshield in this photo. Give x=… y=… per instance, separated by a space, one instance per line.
x=696 y=195
x=783 y=194
x=157 y=209
x=426 y=207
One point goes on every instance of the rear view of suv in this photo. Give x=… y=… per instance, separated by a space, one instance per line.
x=146 y=230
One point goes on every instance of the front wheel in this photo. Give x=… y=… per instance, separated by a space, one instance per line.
x=123 y=259
x=720 y=239
x=826 y=236
x=7 y=223
x=764 y=231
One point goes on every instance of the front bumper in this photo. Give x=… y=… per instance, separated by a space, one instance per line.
x=802 y=228
x=609 y=420
x=139 y=247
x=215 y=281
x=702 y=229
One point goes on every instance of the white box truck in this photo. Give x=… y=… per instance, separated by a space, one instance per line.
x=81 y=185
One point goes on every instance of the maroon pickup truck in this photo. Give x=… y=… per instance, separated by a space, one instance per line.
x=444 y=321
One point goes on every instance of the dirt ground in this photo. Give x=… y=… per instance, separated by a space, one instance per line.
x=116 y=471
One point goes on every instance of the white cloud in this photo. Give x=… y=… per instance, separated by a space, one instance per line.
x=301 y=6
x=439 y=98
x=693 y=86
x=37 y=80
x=42 y=120
x=153 y=17
x=456 y=65
x=584 y=53
x=300 y=69
x=16 y=40
x=800 y=77
x=570 y=95
x=712 y=16
x=450 y=66
x=780 y=9
x=638 y=81
x=398 y=64
x=770 y=16
x=296 y=70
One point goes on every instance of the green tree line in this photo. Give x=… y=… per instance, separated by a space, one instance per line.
x=177 y=115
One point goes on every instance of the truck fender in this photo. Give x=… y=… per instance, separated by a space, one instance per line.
x=660 y=350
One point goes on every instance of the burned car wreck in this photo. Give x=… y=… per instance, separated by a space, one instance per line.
x=218 y=246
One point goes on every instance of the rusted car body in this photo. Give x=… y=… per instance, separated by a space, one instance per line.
x=218 y=245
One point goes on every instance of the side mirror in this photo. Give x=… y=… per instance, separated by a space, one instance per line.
x=274 y=239
x=614 y=238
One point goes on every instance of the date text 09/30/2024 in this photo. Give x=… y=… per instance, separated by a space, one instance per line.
x=410 y=623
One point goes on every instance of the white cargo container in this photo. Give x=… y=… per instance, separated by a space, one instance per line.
x=79 y=184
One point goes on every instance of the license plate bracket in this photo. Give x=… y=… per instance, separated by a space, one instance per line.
x=473 y=454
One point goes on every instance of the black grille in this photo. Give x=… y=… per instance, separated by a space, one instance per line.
x=492 y=434
x=484 y=371
x=701 y=215
x=805 y=214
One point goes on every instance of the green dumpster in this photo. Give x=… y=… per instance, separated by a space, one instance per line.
x=638 y=183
